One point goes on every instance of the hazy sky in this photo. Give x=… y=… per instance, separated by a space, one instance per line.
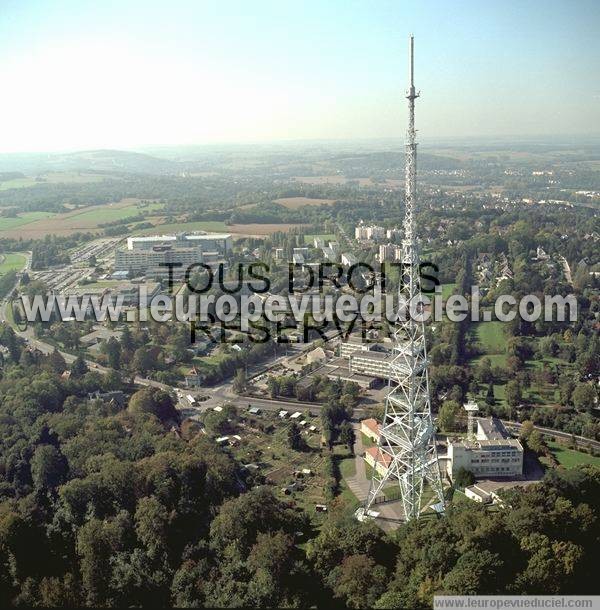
x=80 y=74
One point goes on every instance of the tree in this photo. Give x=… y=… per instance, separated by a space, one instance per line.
x=294 y=436
x=79 y=367
x=536 y=443
x=57 y=362
x=142 y=360
x=273 y=385
x=448 y=417
x=474 y=572
x=526 y=430
x=97 y=542
x=272 y=561
x=218 y=422
x=514 y=395
x=347 y=435
x=489 y=397
x=239 y=381
x=464 y=478
x=127 y=339
x=48 y=467
x=584 y=397
x=359 y=581
x=241 y=519
x=112 y=381
x=154 y=401
x=113 y=353
x=483 y=372
x=151 y=523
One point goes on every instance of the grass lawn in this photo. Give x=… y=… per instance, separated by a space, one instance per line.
x=491 y=336
x=23 y=219
x=499 y=394
x=495 y=359
x=448 y=290
x=10 y=318
x=347 y=467
x=11 y=262
x=366 y=441
x=569 y=458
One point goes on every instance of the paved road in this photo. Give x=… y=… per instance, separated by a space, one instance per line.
x=359 y=484
x=566 y=269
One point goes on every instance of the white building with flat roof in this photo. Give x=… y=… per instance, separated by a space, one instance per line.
x=152 y=254
x=492 y=453
x=370 y=362
x=211 y=242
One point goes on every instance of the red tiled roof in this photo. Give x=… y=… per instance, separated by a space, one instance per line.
x=371 y=424
x=384 y=458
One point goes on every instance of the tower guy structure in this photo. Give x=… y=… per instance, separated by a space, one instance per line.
x=407 y=454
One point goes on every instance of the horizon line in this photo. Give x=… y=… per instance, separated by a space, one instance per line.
x=517 y=138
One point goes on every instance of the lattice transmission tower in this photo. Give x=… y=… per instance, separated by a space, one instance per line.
x=406 y=450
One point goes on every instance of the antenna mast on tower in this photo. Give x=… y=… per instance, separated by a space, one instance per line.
x=406 y=450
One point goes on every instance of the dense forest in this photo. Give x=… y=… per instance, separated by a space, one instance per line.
x=107 y=504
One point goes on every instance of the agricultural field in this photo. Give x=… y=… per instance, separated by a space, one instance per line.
x=260 y=230
x=333 y=179
x=11 y=262
x=53 y=178
x=17 y=183
x=293 y=203
x=87 y=219
x=26 y=218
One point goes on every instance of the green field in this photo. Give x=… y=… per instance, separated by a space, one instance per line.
x=309 y=239
x=347 y=467
x=52 y=178
x=491 y=336
x=570 y=458
x=85 y=218
x=23 y=219
x=17 y=183
x=106 y=213
x=448 y=290
x=495 y=359
x=100 y=284
x=11 y=262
